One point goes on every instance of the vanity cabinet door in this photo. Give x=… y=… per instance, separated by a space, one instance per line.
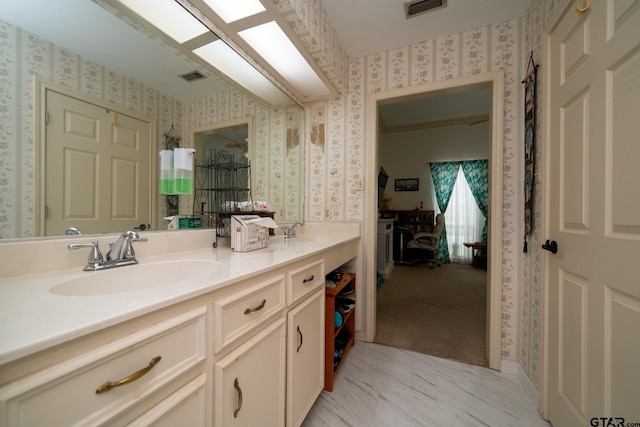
x=249 y=383
x=305 y=357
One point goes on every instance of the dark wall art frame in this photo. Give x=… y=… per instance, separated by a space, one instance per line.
x=529 y=145
x=407 y=184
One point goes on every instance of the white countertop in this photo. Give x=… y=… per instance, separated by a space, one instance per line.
x=32 y=318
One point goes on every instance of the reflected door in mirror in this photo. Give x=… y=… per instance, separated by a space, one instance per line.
x=97 y=174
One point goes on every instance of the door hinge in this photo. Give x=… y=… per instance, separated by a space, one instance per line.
x=46 y=211
x=46 y=117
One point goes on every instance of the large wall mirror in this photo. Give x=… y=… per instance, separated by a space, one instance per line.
x=105 y=54
x=223 y=169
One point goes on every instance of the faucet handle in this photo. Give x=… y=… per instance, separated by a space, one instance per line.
x=95 y=256
x=132 y=236
x=290 y=231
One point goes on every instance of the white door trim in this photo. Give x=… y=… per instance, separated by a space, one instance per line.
x=495 y=81
x=41 y=87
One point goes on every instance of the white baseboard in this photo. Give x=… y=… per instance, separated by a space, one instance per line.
x=514 y=368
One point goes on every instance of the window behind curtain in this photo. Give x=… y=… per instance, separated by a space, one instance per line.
x=463 y=219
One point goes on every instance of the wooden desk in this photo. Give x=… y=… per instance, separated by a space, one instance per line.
x=415 y=220
x=475 y=246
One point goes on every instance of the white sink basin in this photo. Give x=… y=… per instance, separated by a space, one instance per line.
x=135 y=277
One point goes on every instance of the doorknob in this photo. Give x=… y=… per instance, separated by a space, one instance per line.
x=550 y=246
x=142 y=227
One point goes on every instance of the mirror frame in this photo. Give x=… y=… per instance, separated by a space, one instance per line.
x=42 y=86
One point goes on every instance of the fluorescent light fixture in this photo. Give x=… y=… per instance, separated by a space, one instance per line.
x=232 y=10
x=169 y=17
x=225 y=59
x=275 y=47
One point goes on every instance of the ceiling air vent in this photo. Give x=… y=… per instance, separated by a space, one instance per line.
x=193 y=76
x=417 y=7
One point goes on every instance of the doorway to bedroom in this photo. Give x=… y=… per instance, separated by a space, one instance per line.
x=444 y=311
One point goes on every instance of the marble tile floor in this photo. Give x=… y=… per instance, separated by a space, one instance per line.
x=385 y=386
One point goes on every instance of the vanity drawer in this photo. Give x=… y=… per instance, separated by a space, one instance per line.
x=304 y=280
x=243 y=311
x=73 y=385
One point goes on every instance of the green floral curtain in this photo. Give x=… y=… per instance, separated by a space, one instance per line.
x=477 y=174
x=444 y=176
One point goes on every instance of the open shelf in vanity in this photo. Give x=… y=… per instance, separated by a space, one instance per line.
x=338 y=339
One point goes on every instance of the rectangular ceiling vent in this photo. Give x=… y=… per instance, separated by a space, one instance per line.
x=417 y=7
x=193 y=76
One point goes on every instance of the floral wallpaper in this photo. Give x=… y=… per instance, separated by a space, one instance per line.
x=25 y=56
x=531 y=280
x=495 y=47
x=277 y=149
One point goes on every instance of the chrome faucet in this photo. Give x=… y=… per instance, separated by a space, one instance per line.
x=122 y=249
x=120 y=253
x=290 y=231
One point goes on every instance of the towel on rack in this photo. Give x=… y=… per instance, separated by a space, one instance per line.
x=183 y=170
x=166 y=172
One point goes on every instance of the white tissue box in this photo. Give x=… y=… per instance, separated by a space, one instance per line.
x=250 y=232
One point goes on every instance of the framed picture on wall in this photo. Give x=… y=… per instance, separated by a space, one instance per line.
x=407 y=184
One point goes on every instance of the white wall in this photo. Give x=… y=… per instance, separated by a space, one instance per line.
x=407 y=155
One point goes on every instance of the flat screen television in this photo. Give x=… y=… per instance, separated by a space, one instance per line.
x=382 y=184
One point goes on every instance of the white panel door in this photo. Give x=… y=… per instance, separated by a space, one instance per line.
x=593 y=279
x=97 y=168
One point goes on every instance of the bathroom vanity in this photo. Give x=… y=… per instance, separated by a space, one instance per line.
x=233 y=339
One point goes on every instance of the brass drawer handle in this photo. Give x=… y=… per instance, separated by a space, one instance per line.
x=309 y=279
x=131 y=378
x=583 y=9
x=300 y=346
x=236 y=385
x=258 y=308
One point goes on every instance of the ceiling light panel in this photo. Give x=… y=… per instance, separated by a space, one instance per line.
x=233 y=10
x=169 y=17
x=275 y=47
x=225 y=59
